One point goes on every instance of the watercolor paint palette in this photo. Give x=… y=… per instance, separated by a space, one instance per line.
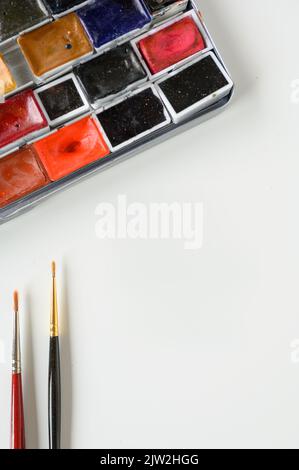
x=85 y=84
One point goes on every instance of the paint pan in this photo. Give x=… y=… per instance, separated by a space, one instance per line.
x=195 y=87
x=172 y=44
x=109 y=22
x=21 y=118
x=62 y=100
x=164 y=9
x=108 y=75
x=133 y=118
x=71 y=147
x=18 y=16
x=17 y=67
x=61 y=7
x=55 y=46
x=7 y=81
x=21 y=174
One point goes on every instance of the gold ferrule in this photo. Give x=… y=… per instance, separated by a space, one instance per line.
x=54 y=310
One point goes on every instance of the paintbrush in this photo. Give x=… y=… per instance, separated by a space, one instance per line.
x=17 y=408
x=54 y=385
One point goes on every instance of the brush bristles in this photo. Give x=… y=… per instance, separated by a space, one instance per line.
x=16 y=301
x=53 y=269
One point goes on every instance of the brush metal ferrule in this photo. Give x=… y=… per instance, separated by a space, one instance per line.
x=54 y=310
x=16 y=346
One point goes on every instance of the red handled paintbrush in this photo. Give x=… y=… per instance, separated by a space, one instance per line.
x=17 y=410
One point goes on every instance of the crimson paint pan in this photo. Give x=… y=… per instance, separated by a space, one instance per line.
x=21 y=118
x=172 y=44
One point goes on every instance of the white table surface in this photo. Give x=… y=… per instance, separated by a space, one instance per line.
x=162 y=346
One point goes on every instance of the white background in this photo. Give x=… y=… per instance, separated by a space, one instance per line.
x=163 y=347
